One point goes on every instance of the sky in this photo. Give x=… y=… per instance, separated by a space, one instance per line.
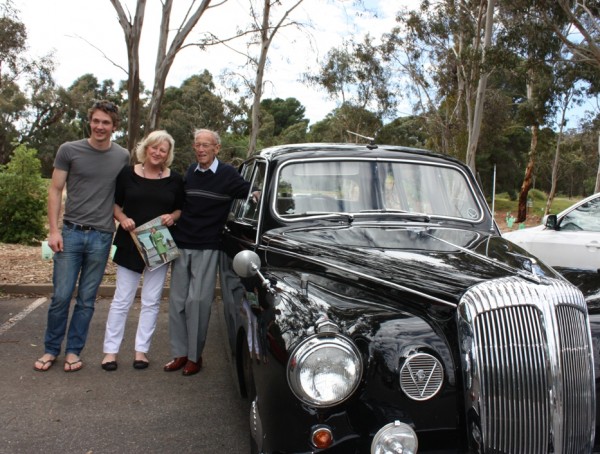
x=82 y=34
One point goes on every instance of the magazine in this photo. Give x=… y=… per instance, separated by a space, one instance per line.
x=155 y=243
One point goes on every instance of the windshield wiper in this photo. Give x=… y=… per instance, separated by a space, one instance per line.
x=413 y=216
x=324 y=215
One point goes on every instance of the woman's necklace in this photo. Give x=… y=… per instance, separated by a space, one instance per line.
x=160 y=172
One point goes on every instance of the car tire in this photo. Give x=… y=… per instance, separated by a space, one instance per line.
x=244 y=368
x=247 y=384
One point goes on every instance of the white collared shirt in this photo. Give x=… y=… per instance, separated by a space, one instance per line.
x=213 y=167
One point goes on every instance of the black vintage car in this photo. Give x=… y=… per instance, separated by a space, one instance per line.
x=373 y=307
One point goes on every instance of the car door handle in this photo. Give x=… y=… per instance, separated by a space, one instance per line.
x=593 y=246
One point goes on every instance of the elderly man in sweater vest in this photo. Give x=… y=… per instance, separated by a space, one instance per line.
x=210 y=187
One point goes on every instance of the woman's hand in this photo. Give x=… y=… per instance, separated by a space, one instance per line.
x=128 y=224
x=167 y=219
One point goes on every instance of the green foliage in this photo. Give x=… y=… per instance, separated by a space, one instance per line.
x=356 y=73
x=536 y=194
x=295 y=133
x=22 y=199
x=406 y=131
x=505 y=204
x=348 y=117
x=285 y=112
x=192 y=106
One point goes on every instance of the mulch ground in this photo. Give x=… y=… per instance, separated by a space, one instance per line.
x=25 y=264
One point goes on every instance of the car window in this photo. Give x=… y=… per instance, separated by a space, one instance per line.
x=585 y=217
x=247 y=209
x=316 y=187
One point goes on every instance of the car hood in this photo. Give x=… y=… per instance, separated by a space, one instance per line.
x=439 y=262
x=521 y=235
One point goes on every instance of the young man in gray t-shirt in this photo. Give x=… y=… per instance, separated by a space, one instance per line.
x=88 y=168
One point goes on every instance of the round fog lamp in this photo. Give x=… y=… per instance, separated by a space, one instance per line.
x=395 y=438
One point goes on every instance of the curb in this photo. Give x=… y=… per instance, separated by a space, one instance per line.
x=106 y=291
x=47 y=289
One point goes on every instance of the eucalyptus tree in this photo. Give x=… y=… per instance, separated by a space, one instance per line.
x=267 y=19
x=568 y=95
x=165 y=55
x=441 y=53
x=409 y=131
x=191 y=106
x=286 y=112
x=13 y=66
x=13 y=103
x=266 y=24
x=339 y=125
x=55 y=114
x=13 y=40
x=296 y=133
x=582 y=37
x=536 y=51
x=356 y=77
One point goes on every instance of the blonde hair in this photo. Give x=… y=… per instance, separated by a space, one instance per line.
x=155 y=137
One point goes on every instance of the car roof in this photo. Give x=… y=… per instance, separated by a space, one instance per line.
x=337 y=150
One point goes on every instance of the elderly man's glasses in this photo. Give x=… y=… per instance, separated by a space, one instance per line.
x=200 y=145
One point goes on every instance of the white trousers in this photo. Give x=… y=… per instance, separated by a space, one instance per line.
x=126 y=287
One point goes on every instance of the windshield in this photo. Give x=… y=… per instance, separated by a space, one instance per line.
x=358 y=187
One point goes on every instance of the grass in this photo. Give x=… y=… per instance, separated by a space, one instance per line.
x=537 y=199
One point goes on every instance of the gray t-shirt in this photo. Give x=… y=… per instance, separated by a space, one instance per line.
x=91 y=182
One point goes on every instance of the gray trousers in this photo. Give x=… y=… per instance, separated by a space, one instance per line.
x=193 y=280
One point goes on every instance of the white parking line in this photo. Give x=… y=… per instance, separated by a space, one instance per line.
x=21 y=315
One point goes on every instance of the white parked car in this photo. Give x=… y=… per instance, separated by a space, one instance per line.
x=569 y=242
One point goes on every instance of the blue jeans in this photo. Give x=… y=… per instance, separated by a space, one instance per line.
x=84 y=255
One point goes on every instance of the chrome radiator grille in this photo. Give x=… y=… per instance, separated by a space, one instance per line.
x=528 y=367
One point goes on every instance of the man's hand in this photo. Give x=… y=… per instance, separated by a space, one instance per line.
x=55 y=242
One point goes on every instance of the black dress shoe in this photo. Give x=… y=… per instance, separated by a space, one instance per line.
x=110 y=366
x=140 y=364
x=175 y=364
x=192 y=368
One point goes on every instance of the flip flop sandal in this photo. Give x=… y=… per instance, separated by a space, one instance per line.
x=71 y=364
x=43 y=363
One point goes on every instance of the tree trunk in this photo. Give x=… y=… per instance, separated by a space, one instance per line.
x=555 y=163
x=260 y=73
x=165 y=58
x=265 y=42
x=597 y=188
x=132 y=32
x=526 y=186
x=475 y=128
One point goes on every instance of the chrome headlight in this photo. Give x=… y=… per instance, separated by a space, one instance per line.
x=395 y=437
x=324 y=369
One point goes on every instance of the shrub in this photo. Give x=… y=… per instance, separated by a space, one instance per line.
x=536 y=194
x=23 y=198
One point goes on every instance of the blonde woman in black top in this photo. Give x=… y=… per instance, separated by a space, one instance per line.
x=144 y=191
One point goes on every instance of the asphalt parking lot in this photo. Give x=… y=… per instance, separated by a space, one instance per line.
x=126 y=411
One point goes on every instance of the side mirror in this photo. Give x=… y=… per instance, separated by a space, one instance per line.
x=246 y=263
x=551 y=222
